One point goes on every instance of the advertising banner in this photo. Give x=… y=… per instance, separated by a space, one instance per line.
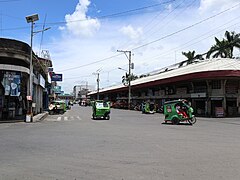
x=41 y=81
x=57 y=89
x=56 y=77
x=12 y=82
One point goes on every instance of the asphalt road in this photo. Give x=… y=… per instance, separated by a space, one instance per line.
x=129 y=146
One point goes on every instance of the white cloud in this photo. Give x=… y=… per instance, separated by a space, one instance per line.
x=130 y=32
x=115 y=33
x=79 y=23
x=169 y=7
x=215 y=5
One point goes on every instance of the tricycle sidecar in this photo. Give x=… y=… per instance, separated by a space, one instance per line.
x=178 y=111
x=101 y=109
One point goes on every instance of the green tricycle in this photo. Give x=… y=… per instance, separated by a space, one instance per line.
x=178 y=111
x=57 y=107
x=101 y=109
x=148 y=108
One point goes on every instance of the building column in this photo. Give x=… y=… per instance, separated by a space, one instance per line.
x=208 y=100
x=224 y=96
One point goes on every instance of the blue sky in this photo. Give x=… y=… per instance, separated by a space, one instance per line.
x=83 y=41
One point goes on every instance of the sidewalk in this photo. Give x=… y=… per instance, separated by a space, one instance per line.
x=36 y=118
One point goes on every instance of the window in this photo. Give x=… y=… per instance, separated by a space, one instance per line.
x=216 y=84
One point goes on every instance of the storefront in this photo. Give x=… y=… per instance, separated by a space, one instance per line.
x=12 y=95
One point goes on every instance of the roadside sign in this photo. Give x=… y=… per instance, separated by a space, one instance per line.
x=56 y=77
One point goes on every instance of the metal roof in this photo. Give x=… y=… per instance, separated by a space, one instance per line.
x=218 y=64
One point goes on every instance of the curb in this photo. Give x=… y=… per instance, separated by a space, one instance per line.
x=40 y=117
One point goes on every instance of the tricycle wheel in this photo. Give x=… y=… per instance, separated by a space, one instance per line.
x=193 y=120
x=175 y=120
x=107 y=117
x=51 y=113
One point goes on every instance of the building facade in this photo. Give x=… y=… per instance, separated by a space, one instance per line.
x=14 y=77
x=211 y=86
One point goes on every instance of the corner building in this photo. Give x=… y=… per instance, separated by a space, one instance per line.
x=14 y=77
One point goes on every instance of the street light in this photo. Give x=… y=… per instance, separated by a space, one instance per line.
x=31 y=19
x=122 y=69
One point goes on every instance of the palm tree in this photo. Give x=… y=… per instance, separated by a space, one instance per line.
x=220 y=49
x=191 y=57
x=233 y=40
x=144 y=75
x=127 y=78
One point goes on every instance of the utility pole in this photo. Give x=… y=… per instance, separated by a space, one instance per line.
x=130 y=66
x=31 y=19
x=98 y=85
x=98 y=80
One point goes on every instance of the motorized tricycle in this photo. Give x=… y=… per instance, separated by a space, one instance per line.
x=101 y=109
x=148 y=108
x=179 y=111
x=57 y=107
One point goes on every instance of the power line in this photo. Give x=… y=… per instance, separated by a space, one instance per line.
x=153 y=19
x=169 y=35
x=40 y=47
x=78 y=77
x=188 y=27
x=3 y=1
x=184 y=45
x=99 y=17
x=10 y=16
x=115 y=14
x=200 y=36
x=95 y=62
x=177 y=15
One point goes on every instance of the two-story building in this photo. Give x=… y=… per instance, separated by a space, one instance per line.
x=14 y=77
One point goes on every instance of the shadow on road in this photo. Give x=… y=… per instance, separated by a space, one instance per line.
x=180 y=124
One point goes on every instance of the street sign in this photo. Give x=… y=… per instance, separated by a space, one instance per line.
x=57 y=89
x=56 y=77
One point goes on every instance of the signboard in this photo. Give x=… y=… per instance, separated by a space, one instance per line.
x=57 y=89
x=29 y=98
x=12 y=82
x=181 y=91
x=41 y=81
x=50 y=69
x=198 y=95
x=219 y=111
x=56 y=77
x=216 y=98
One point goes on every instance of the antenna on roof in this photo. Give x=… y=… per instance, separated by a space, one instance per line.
x=40 y=48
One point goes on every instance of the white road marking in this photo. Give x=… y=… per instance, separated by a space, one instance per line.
x=66 y=118
x=79 y=118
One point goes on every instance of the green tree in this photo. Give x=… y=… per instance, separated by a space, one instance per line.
x=233 y=41
x=126 y=78
x=220 y=49
x=191 y=57
x=144 y=75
